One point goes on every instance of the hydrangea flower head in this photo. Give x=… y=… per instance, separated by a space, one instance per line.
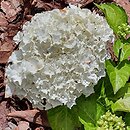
x=61 y=56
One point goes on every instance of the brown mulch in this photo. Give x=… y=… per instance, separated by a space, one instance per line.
x=16 y=114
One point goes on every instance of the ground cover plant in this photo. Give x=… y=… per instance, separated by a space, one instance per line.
x=107 y=105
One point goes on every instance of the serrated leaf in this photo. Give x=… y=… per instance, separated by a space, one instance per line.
x=114 y=14
x=118 y=75
x=117 y=46
x=87 y=108
x=87 y=126
x=125 y=53
x=62 y=118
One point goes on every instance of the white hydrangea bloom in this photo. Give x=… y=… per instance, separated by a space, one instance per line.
x=61 y=55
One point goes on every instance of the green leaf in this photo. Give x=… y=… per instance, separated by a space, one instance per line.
x=114 y=14
x=128 y=40
x=98 y=87
x=128 y=91
x=100 y=111
x=87 y=108
x=120 y=93
x=128 y=127
x=108 y=102
x=87 y=126
x=125 y=53
x=118 y=75
x=62 y=118
x=108 y=87
x=121 y=105
x=117 y=46
x=127 y=119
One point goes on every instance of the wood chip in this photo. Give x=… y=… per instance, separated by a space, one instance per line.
x=34 y=116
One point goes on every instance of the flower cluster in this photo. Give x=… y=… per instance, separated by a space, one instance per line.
x=110 y=121
x=124 y=30
x=61 y=55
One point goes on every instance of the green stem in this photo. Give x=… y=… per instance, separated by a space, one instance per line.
x=119 y=56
